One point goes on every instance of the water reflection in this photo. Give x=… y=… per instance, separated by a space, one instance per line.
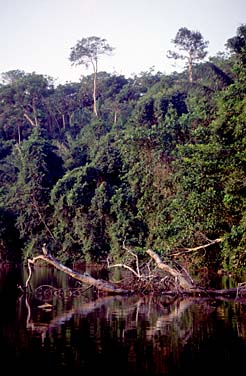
x=116 y=335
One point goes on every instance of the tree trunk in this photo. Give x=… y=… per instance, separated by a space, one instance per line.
x=30 y=120
x=95 y=88
x=190 y=67
x=19 y=133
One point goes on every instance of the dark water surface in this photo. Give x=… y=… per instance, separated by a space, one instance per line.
x=59 y=328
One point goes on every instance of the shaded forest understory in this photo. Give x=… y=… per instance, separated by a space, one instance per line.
x=160 y=165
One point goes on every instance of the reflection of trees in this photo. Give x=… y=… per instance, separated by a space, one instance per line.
x=167 y=315
x=179 y=317
x=162 y=327
x=58 y=320
x=163 y=315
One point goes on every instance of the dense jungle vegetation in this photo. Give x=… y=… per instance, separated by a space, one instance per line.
x=154 y=161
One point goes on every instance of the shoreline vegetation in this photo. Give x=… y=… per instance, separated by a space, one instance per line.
x=155 y=160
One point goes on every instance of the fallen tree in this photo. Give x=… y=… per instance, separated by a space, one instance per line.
x=175 y=281
x=85 y=278
x=188 y=287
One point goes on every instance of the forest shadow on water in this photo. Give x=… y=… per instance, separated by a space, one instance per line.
x=63 y=325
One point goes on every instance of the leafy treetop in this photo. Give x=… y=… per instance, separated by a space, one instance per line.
x=192 y=44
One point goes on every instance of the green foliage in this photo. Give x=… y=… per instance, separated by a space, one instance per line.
x=163 y=165
x=71 y=198
x=198 y=201
x=237 y=44
x=38 y=171
x=22 y=104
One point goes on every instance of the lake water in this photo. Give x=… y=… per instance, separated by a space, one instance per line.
x=63 y=326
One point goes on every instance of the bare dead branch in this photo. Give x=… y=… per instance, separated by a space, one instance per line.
x=126 y=267
x=135 y=256
x=188 y=250
x=179 y=277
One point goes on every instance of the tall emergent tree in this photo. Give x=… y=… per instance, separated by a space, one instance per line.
x=237 y=44
x=86 y=52
x=193 y=46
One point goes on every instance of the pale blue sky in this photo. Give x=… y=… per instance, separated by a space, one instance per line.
x=36 y=35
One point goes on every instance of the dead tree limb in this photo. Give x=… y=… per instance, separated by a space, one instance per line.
x=84 y=278
x=188 y=250
x=183 y=285
x=188 y=287
x=125 y=266
x=183 y=282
